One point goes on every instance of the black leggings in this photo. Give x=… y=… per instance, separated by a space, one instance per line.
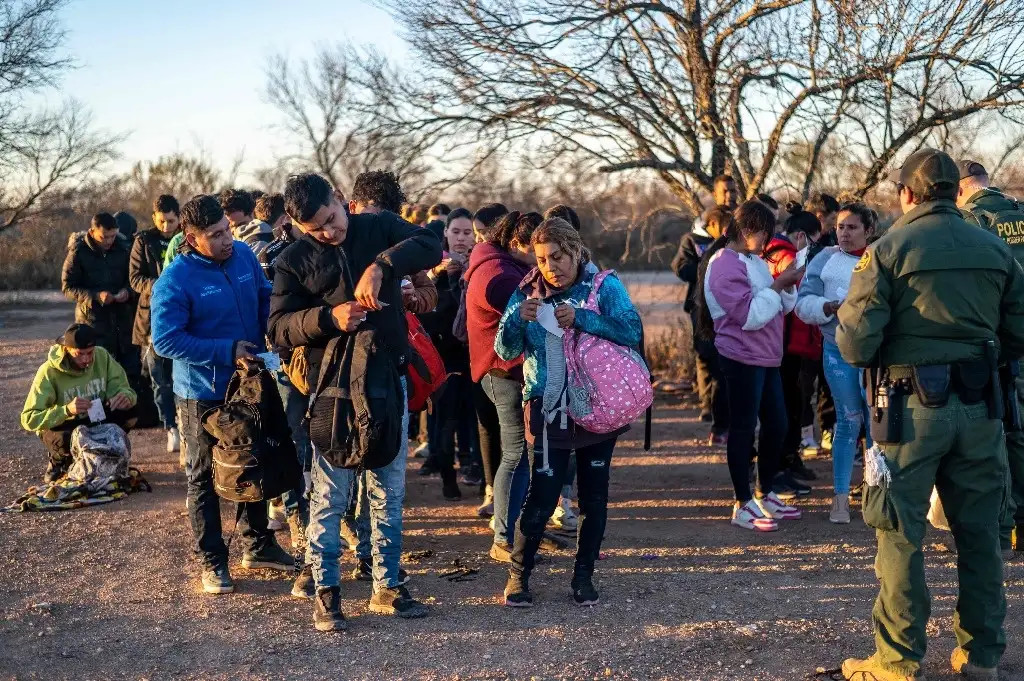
x=753 y=391
x=490 y=432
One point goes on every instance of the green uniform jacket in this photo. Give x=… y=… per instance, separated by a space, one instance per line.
x=932 y=291
x=57 y=382
x=1000 y=214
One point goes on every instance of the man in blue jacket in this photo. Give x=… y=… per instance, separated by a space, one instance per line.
x=209 y=312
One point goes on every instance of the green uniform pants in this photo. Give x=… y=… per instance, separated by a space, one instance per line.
x=1014 y=515
x=962 y=452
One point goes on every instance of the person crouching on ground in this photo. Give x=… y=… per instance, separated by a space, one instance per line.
x=76 y=373
x=743 y=308
x=561 y=279
x=209 y=312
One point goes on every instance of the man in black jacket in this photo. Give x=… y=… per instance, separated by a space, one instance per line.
x=95 y=276
x=147 y=261
x=343 y=271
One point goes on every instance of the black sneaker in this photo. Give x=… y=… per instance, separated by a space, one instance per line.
x=429 y=467
x=800 y=471
x=304 y=586
x=517 y=592
x=397 y=602
x=327 y=610
x=217 y=580
x=583 y=592
x=471 y=476
x=269 y=557
x=787 y=488
x=550 y=542
x=363 y=572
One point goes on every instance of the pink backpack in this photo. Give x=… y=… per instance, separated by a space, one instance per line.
x=608 y=385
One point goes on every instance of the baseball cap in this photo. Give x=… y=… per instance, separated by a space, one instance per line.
x=926 y=170
x=970 y=168
x=79 y=337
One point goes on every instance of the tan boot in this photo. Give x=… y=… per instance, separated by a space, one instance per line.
x=871 y=670
x=840 y=514
x=971 y=671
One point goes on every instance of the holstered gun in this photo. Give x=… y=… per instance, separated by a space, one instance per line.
x=1011 y=401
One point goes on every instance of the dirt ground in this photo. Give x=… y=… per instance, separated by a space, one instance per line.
x=112 y=592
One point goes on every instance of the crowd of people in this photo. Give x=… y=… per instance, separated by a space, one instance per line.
x=779 y=321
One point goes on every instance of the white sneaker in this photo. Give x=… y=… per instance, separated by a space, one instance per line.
x=276 y=518
x=840 y=514
x=776 y=508
x=486 y=509
x=564 y=517
x=173 y=441
x=749 y=516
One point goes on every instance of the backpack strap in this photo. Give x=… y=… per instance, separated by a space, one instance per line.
x=594 y=289
x=327 y=368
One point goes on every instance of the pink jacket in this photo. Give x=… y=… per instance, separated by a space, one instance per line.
x=748 y=314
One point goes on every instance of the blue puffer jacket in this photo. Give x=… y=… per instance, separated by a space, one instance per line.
x=200 y=309
x=618 y=322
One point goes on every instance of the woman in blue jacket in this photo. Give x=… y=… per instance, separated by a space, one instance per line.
x=563 y=278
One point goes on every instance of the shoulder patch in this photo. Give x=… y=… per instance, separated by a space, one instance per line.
x=863 y=263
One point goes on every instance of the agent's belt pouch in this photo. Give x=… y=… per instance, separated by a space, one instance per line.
x=932 y=384
x=972 y=381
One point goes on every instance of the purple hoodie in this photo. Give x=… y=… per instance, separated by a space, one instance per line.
x=748 y=314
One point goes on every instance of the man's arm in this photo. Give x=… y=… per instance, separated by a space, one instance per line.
x=866 y=312
x=42 y=410
x=73 y=279
x=171 y=307
x=117 y=380
x=138 y=276
x=412 y=249
x=423 y=296
x=297 y=317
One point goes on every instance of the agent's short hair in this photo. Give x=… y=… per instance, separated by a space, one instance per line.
x=201 y=212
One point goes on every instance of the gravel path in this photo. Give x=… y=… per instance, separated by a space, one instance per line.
x=112 y=592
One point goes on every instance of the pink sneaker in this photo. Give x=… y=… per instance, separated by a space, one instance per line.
x=749 y=516
x=774 y=507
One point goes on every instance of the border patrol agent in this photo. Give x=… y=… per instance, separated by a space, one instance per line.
x=1002 y=215
x=930 y=305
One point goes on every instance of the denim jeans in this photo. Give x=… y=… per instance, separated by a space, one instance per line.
x=512 y=478
x=159 y=369
x=851 y=414
x=593 y=466
x=332 y=489
x=203 y=503
x=753 y=392
x=488 y=433
x=295 y=404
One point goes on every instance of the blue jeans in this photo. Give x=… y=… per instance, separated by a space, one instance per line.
x=332 y=489
x=851 y=414
x=295 y=404
x=159 y=369
x=512 y=479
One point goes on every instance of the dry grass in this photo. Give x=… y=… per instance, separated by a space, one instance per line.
x=669 y=350
x=31 y=257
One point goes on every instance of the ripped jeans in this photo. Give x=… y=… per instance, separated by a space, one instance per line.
x=851 y=413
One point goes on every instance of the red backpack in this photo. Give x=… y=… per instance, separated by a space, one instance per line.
x=426 y=370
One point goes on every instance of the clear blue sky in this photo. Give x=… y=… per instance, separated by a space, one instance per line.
x=186 y=75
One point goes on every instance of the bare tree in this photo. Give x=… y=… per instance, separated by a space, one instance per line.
x=335 y=106
x=40 y=151
x=689 y=89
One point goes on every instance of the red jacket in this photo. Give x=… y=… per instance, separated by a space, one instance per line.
x=492 y=276
x=800 y=339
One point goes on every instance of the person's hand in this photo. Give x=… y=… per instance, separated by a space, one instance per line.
x=409 y=298
x=106 y=298
x=348 y=316
x=79 y=405
x=454 y=267
x=119 y=402
x=565 y=315
x=528 y=309
x=831 y=307
x=789 y=277
x=245 y=353
x=122 y=296
x=368 y=287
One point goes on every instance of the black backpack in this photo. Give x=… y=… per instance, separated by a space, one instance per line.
x=355 y=409
x=254 y=458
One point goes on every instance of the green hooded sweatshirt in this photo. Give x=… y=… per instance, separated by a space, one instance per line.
x=58 y=382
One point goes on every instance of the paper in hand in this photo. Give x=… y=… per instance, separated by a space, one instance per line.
x=96 y=413
x=546 y=317
x=270 y=360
